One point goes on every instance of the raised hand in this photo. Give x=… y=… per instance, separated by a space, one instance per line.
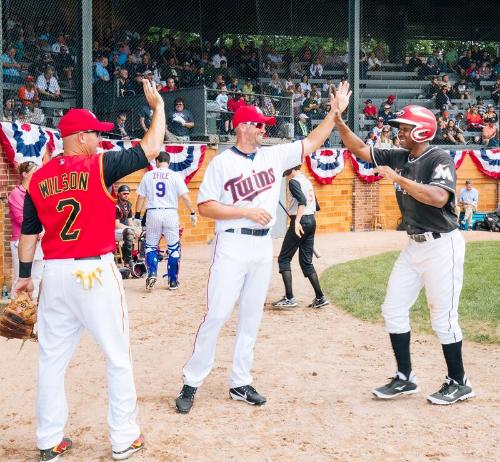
x=154 y=98
x=339 y=99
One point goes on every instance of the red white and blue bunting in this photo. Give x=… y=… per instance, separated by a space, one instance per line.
x=325 y=164
x=28 y=142
x=487 y=161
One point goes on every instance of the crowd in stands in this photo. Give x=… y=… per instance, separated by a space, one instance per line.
x=40 y=61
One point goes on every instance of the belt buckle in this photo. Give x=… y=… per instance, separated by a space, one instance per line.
x=418 y=237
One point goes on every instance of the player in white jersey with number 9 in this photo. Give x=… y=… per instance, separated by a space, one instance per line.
x=162 y=188
x=240 y=191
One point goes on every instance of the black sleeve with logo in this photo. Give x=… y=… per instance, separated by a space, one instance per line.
x=117 y=164
x=434 y=167
x=297 y=192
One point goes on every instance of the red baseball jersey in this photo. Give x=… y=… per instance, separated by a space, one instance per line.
x=74 y=206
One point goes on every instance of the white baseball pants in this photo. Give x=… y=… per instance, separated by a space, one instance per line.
x=438 y=266
x=66 y=308
x=241 y=268
x=162 y=222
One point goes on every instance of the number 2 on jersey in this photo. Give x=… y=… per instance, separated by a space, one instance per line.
x=160 y=189
x=75 y=206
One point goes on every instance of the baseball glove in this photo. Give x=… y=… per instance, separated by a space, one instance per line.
x=19 y=318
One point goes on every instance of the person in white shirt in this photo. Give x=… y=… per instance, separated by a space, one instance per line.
x=240 y=191
x=161 y=188
x=217 y=58
x=304 y=83
x=47 y=84
x=316 y=69
x=221 y=100
x=468 y=201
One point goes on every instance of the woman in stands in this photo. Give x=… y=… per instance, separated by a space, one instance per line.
x=304 y=84
x=452 y=134
x=384 y=142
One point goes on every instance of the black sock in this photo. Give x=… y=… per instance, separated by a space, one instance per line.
x=313 y=279
x=453 y=356
x=287 y=280
x=401 y=346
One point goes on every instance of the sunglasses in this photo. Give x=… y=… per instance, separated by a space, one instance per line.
x=258 y=125
x=98 y=134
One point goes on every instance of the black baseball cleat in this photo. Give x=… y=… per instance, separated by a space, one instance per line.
x=173 y=285
x=318 y=302
x=137 y=445
x=53 y=453
x=248 y=394
x=397 y=386
x=451 y=392
x=150 y=281
x=184 y=401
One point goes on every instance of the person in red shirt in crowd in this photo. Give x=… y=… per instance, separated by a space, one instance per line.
x=70 y=197
x=370 y=110
x=474 y=120
x=390 y=101
x=235 y=102
x=170 y=86
x=28 y=93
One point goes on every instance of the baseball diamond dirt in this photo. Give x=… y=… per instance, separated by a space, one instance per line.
x=316 y=367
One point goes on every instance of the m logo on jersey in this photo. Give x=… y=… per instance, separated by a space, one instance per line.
x=247 y=189
x=442 y=172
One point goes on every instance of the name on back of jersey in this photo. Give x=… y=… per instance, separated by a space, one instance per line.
x=248 y=188
x=70 y=181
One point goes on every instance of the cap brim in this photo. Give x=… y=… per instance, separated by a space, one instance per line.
x=104 y=126
x=269 y=120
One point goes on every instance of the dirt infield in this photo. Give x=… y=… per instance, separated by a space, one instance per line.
x=315 y=367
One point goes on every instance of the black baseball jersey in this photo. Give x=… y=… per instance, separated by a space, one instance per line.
x=435 y=166
x=123 y=211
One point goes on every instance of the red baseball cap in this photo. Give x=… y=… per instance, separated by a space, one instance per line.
x=251 y=114
x=391 y=98
x=81 y=120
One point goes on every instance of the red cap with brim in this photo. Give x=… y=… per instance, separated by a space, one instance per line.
x=251 y=114
x=81 y=120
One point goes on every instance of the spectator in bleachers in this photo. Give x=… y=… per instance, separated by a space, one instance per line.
x=120 y=131
x=389 y=101
x=452 y=134
x=224 y=71
x=234 y=85
x=472 y=74
x=442 y=121
x=296 y=68
x=370 y=110
x=442 y=97
x=28 y=93
x=474 y=120
x=460 y=121
x=169 y=69
x=60 y=41
x=304 y=83
x=100 y=70
x=180 y=121
x=464 y=62
x=436 y=61
x=495 y=92
x=380 y=52
x=490 y=132
x=247 y=88
x=65 y=65
x=386 y=114
x=490 y=116
x=301 y=126
x=371 y=139
x=221 y=100
x=377 y=130
x=170 y=86
x=445 y=80
x=433 y=89
x=461 y=89
x=374 y=64
x=316 y=69
x=329 y=86
x=9 y=109
x=288 y=85
x=414 y=63
x=145 y=116
x=481 y=108
x=275 y=85
x=11 y=68
x=427 y=70
x=235 y=101
x=186 y=75
x=297 y=99
x=125 y=85
x=450 y=59
x=485 y=72
x=47 y=85
x=310 y=106
x=218 y=57
x=384 y=141
x=199 y=79
x=315 y=93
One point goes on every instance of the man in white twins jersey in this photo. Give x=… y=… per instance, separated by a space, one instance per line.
x=425 y=181
x=162 y=188
x=240 y=190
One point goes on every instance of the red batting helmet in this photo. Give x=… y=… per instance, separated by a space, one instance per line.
x=421 y=118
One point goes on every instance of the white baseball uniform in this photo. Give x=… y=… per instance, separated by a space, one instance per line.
x=242 y=261
x=162 y=188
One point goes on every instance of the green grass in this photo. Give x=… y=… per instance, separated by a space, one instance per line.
x=359 y=287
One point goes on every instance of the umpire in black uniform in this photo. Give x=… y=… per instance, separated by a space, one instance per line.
x=300 y=236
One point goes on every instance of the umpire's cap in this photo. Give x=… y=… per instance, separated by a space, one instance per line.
x=123 y=188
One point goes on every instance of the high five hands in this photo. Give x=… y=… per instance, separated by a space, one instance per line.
x=339 y=100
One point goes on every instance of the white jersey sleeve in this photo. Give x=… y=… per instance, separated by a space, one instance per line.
x=181 y=186
x=213 y=183
x=289 y=155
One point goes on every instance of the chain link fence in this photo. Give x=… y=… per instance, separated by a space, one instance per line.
x=282 y=56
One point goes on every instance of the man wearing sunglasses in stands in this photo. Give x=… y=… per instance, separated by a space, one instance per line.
x=240 y=191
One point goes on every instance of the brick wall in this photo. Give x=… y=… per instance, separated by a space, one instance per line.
x=8 y=179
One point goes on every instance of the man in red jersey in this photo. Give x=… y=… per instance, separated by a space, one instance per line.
x=82 y=288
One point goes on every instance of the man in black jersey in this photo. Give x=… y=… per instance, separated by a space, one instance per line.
x=425 y=180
